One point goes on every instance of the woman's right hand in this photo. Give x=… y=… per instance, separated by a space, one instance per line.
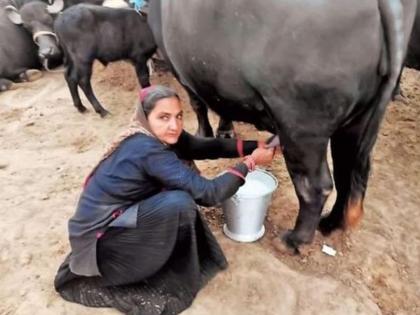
x=263 y=156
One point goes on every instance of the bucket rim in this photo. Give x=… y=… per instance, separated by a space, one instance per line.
x=276 y=185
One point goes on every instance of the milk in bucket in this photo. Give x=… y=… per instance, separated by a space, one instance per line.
x=245 y=211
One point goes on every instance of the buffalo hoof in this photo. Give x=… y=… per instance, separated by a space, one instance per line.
x=6 y=85
x=226 y=134
x=295 y=240
x=281 y=246
x=327 y=225
x=32 y=75
x=400 y=98
x=292 y=241
x=81 y=109
x=104 y=113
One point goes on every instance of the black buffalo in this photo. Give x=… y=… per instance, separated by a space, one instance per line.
x=312 y=72
x=412 y=59
x=89 y=32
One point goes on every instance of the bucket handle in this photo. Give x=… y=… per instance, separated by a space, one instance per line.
x=234 y=199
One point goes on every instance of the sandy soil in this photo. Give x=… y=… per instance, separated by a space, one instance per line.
x=47 y=148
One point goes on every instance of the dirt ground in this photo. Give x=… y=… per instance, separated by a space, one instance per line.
x=47 y=148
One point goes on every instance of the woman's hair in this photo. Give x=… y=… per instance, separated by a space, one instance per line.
x=151 y=95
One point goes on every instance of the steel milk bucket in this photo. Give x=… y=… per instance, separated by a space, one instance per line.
x=246 y=210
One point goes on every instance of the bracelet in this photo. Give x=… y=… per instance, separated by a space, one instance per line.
x=236 y=172
x=240 y=147
x=250 y=163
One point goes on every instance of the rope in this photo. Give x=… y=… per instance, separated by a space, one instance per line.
x=46 y=67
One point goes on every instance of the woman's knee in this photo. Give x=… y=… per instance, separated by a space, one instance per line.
x=180 y=201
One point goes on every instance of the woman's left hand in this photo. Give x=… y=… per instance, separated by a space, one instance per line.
x=262 y=156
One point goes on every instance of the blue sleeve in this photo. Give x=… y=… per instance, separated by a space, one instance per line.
x=164 y=166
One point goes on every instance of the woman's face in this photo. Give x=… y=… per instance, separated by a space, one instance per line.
x=166 y=120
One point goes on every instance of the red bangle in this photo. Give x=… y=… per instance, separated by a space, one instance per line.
x=240 y=147
x=236 y=172
x=250 y=163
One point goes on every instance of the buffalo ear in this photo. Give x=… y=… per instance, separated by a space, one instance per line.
x=55 y=7
x=13 y=14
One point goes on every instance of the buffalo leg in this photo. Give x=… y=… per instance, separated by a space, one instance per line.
x=84 y=82
x=307 y=165
x=225 y=129
x=200 y=109
x=72 y=78
x=143 y=76
x=351 y=171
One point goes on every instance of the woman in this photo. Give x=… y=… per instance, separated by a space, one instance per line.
x=138 y=242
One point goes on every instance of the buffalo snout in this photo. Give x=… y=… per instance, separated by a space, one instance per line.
x=48 y=53
x=48 y=47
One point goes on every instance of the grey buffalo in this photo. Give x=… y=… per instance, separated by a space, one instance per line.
x=312 y=72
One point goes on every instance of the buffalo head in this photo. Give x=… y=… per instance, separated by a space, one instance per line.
x=37 y=18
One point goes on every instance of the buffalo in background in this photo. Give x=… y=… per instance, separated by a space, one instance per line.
x=89 y=32
x=21 y=53
x=27 y=38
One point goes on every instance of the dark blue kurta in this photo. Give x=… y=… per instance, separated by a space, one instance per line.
x=140 y=168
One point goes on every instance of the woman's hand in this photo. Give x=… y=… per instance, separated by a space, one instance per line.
x=262 y=156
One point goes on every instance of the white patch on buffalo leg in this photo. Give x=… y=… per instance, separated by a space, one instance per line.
x=150 y=66
x=303 y=186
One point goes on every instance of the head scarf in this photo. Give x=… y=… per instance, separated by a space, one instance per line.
x=138 y=124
